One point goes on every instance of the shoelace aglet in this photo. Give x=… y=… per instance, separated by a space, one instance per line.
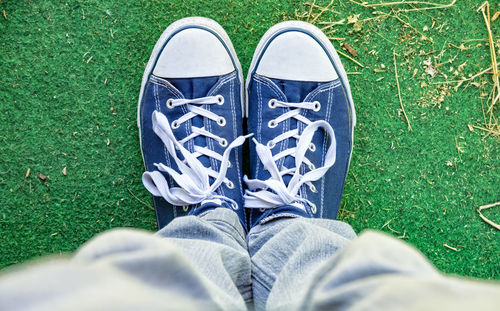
x=255 y=140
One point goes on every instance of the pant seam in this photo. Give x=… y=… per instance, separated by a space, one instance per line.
x=263 y=282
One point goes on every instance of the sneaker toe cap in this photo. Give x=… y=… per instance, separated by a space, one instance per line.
x=193 y=52
x=295 y=55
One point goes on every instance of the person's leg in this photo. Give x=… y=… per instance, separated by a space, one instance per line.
x=194 y=262
x=190 y=125
x=296 y=87
x=215 y=243
x=313 y=264
x=301 y=111
x=291 y=250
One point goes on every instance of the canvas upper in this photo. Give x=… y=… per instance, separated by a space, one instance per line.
x=190 y=122
x=298 y=90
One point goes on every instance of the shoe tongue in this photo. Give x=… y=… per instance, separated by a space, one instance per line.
x=195 y=88
x=295 y=92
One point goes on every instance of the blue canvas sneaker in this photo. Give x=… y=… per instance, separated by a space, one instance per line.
x=301 y=111
x=190 y=121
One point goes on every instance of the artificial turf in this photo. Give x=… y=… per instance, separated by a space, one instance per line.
x=71 y=74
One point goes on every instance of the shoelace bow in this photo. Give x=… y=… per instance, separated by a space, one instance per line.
x=258 y=194
x=194 y=177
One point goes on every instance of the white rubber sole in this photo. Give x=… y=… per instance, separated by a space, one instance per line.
x=188 y=22
x=316 y=34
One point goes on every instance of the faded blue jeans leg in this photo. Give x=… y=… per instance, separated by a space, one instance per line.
x=319 y=264
x=286 y=252
x=194 y=263
x=202 y=263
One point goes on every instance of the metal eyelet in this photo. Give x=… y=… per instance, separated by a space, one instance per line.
x=271 y=144
x=313 y=188
x=221 y=121
x=223 y=142
x=220 y=100
x=230 y=184
x=175 y=124
x=314 y=209
x=312 y=147
x=234 y=206
x=185 y=208
x=317 y=106
x=229 y=164
x=272 y=103
x=312 y=166
x=170 y=103
x=272 y=124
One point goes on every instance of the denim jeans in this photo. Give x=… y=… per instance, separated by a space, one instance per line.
x=206 y=262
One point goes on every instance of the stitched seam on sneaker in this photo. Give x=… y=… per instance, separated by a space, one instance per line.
x=211 y=145
x=280 y=96
x=167 y=156
x=323 y=88
x=260 y=104
x=210 y=142
x=284 y=143
x=168 y=85
x=327 y=88
x=222 y=83
x=235 y=132
x=300 y=128
x=270 y=84
x=214 y=163
x=350 y=131
x=323 y=153
x=157 y=105
x=348 y=108
x=259 y=121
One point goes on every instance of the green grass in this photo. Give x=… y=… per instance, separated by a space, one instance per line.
x=64 y=65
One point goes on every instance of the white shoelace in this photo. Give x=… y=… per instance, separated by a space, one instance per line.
x=194 y=177
x=258 y=195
